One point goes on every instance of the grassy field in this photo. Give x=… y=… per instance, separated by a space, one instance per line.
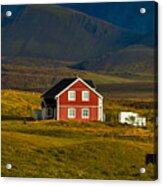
x=134 y=90
x=28 y=77
x=90 y=150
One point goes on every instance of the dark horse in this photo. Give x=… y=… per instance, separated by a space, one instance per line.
x=150 y=158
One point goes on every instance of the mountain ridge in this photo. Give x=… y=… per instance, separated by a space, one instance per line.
x=52 y=35
x=67 y=35
x=131 y=60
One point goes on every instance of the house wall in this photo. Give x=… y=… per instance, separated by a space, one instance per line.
x=78 y=104
x=93 y=114
x=100 y=109
x=37 y=114
x=43 y=113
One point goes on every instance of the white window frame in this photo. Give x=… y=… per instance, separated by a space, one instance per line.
x=69 y=95
x=69 y=116
x=83 y=98
x=83 y=112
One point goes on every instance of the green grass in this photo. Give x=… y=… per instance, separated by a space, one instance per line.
x=69 y=149
x=25 y=77
x=19 y=104
x=51 y=149
x=41 y=150
x=105 y=79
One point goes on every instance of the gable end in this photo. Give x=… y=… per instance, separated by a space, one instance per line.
x=85 y=83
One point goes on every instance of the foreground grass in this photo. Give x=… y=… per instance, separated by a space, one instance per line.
x=53 y=149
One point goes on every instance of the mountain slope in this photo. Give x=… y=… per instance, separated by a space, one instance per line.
x=123 y=14
x=48 y=31
x=133 y=59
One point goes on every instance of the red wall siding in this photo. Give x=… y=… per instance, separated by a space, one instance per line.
x=93 y=114
x=78 y=104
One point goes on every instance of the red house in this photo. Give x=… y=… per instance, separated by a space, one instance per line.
x=73 y=99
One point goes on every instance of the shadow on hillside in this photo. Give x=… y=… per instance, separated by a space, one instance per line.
x=7 y=117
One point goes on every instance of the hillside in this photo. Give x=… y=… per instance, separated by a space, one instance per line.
x=23 y=77
x=85 y=150
x=55 y=32
x=40 y=78
x=72 y=155
x=69 y=43
x=136 y=59
x=19 y=104
x=122 y=14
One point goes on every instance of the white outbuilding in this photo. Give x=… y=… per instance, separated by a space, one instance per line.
x=132 y=118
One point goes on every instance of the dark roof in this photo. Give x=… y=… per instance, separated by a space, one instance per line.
x=56 y=89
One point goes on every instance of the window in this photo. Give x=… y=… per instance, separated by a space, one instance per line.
x=71 y=113
x=71 y=95
x=49 y=112
x=85 y=95
x=85 y=113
